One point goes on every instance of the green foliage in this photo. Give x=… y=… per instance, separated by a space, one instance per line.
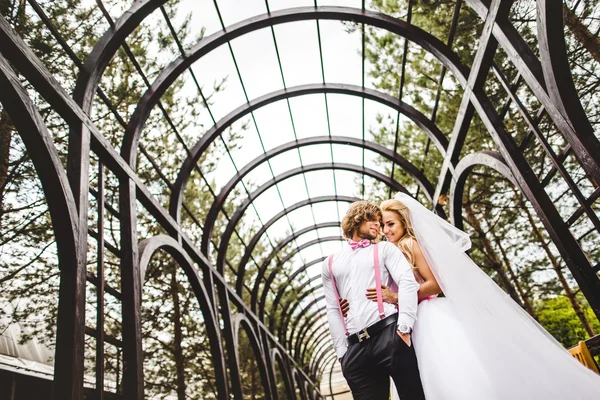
x=558 y=317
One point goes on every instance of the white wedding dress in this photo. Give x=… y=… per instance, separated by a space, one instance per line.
x=477 y=343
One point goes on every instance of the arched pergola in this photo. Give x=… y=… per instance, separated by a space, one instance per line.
x=268 y=287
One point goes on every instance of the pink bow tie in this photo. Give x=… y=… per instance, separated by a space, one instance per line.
x=362 y=243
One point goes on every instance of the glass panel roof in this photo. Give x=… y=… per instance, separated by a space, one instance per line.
x=267 y=61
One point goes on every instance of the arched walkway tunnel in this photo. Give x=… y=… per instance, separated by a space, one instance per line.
x=193 y=161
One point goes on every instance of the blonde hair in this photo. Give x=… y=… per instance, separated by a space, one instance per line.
x=403 y=214
x=359 y=212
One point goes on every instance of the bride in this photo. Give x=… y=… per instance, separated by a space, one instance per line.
x=476 y=342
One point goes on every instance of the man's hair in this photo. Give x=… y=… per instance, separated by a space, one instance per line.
x=359 y=212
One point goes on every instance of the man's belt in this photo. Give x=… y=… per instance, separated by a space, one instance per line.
x=367 y=333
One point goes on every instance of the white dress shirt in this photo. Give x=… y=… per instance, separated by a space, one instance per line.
x=354 y=272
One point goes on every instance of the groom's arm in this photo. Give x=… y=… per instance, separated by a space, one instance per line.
x=336 y=326
x=401 y=272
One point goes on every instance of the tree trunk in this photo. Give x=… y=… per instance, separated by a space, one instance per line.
x=581 y=32
x=491 y=254
x=526 y=303
x=6 y=130
x=177 y=335
x=557 y=268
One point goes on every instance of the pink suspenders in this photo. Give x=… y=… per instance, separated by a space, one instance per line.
x=377 y=284
x=337 y=296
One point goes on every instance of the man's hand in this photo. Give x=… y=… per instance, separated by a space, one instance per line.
x=405 y=337
x=340 y=359
x=345 y=306
x=386 y=294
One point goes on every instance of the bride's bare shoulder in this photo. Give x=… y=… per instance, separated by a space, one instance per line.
x=412 y=244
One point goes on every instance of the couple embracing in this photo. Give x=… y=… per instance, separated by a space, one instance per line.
x=386 y=320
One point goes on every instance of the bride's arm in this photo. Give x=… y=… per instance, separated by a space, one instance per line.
x=430 y=286
x=386 y=294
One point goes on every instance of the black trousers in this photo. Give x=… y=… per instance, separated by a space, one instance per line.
x=367 y=367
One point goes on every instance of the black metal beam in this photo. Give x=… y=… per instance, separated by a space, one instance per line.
x=226 y=236
x=476 y=80
x=255 y=239
x=36 y=73
x=147 y=249
x=219 y=202
x=69 y=353
x=489 y=159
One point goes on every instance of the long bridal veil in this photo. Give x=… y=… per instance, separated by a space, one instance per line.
x=521 y=359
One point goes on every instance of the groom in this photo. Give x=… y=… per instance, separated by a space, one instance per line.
x=372 y=347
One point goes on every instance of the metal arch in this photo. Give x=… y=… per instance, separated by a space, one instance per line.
x=304 y=328
x=106 y=48
x=271 y=278
x=330 y=378
x=529 y=67
x=278 y=362
x=318 y=315
x=239 y=321
x=313 y=329
x=560 y=86
x=278 y=266
x=490 y=159
x=322 y=360
x=420 y=120
x=536 y=75
x=302 y=332
x=321 y=339
x=282 y=329
x=282 y=288
x=306 y=308
x=307 y=327
x=170 y=73
x=68 y=365
x=254 y=241
x=287 y=241
x=544 y=214
x=177 y=193
x=41 y=79
x=288 y=314
x=322 y=350
x=299 y=383
x=296 y=171
x=147 y=248
x=533 y=190
x=322 y=346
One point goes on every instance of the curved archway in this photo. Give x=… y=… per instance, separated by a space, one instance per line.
x=534 y=73
x=490 y=159
x=433 y=45
x=279 y=265
x=225 y=237
x=241 y=322
x=66 y=225
x=148 y=248
x=280 y=246
x=283 y=287
x=254 y=241
x=211 y=217
x=284 y=372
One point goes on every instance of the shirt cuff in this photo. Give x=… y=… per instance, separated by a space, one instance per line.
x=340 y=351
x=404 y=319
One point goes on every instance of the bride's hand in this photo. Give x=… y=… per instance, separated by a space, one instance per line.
x=387 y=295
x=405 y=337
